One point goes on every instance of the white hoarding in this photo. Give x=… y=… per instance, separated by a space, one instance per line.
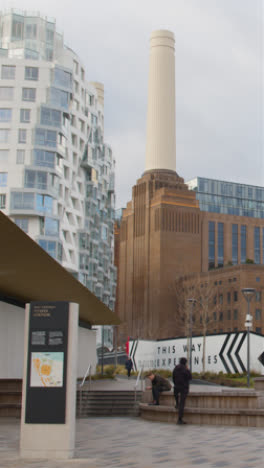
x=226 y=352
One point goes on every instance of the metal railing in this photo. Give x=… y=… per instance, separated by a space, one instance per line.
x=88 y=372
x=139 y=379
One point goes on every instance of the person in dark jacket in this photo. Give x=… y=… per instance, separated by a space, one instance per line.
x=181 y=377
x=159 y=384
x=129 y=366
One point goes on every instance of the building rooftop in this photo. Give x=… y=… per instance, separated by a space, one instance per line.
x=226 y=197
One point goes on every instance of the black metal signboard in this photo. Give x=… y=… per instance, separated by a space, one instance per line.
x=47 y=363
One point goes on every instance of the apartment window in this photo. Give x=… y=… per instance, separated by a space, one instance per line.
x=59 y=98
x=258 y=296
x=76 y=67
x=220 y=258
x=8 y=72
x=6 y=93
x=17 y=29
x=2 y=201
x=258 y=314
x=4 y=155
x=44 y=137
x=31 y=73
x=43 y=158
x=36 y=179
x=44 y=203
x=51 y=227
x=76 y=105
x=221 y=317
x=82 y=125
x=49 y=246
x=22 y=201
x=235 y=296
x=228 y=297
x=235 y=314
x=50 y=117
x=25 y=115
x=5 y=115
x=258 y=330
x=91 y=100
x=93 y=119
x=29 y=94
x=243 y=243
x=3 y=179
x=234 y=244
x=257 y=245
x=211 y=246
x=20 y=156
x=4 y=135
x=62 y=78
x=229 y=315
x=221 y=299
x=22 y=135
x=74 y=139
x=76 y=86
x=31 y=31
x=22 y=223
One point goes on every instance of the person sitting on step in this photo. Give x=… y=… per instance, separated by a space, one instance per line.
x=159 y=384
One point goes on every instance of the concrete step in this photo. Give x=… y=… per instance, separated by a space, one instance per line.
x=10 y=397
x=108 y=403
x=11 y=385
x=212 y=416
x=235 y=399
x=10 y=410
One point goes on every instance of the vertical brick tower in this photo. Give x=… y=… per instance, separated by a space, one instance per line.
x=161 y=227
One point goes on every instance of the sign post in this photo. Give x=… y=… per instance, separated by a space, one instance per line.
x=49 y=383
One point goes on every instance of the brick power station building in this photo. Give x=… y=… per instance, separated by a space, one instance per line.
x=178 y=238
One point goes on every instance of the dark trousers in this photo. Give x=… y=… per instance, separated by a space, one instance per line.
x=180 y=395
x=156 y=390
x=128 y=372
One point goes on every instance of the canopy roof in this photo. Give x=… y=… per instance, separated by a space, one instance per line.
x=28 y=273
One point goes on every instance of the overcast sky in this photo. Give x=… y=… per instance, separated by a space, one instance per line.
x=219 y=79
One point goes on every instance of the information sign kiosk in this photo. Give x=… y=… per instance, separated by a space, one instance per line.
x=49 y=384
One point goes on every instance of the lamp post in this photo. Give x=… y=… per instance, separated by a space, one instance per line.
x=102 y=356
x=192 y=304
x=248 y=293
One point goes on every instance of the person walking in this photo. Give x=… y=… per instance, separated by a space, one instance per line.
x=159 y=384
x=181 y=377
x=128 y=366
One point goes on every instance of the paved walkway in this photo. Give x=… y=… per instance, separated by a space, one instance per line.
x=134 y=443
x=123 y=383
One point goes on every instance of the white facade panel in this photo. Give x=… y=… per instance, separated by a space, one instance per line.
x=12 y=322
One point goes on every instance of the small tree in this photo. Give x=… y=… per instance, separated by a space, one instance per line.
x=199 y=293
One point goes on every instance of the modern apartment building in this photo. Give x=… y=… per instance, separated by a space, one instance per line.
x=56 y=171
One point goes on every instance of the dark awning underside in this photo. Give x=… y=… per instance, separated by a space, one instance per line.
x=28 y=273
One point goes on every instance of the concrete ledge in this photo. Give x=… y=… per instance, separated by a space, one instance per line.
x=211 y=416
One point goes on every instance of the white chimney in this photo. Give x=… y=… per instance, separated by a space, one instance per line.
x=161 y=139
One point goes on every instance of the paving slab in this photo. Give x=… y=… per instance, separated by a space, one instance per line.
x=136 y=443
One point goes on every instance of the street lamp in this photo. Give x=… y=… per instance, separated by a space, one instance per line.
x=248 y=293
x=192 y=303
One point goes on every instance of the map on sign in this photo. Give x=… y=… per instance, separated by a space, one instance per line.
x=46 y=369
